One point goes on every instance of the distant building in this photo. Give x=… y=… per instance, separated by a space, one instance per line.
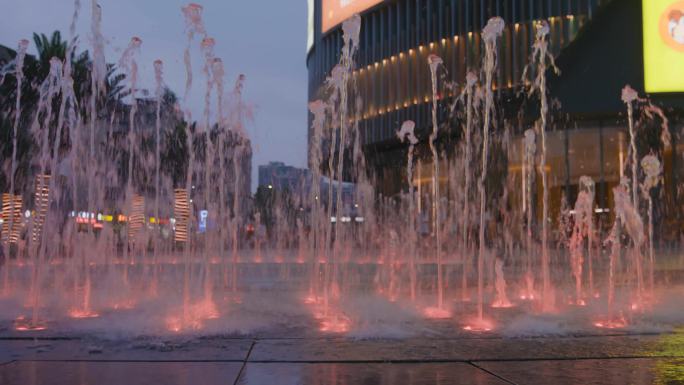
x=279 y=176
x=350 y=207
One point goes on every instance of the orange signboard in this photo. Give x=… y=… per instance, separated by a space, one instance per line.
x=335 y=12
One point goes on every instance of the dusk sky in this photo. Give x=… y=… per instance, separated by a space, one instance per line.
x=265 y=40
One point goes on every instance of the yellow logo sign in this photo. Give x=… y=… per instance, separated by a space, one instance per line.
x=663 y=27
x=672 y=26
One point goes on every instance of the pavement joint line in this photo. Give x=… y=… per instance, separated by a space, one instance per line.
x=27 y=338
x=438 y=361
x=314 y=338
x=126 y=361
x=325 y=338
x=399 y=361
x=244 y=363
x=351 y=362
x=495 y=337
x=491 y=373
x=585 y=358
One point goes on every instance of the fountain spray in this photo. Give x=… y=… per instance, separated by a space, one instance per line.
x=621 y=200
x=130 y=67
x=629 y=96
x=207 y=46
x=406 y=134
x=583 y=229
x=192 y=14
x=19 y=75
x=159 y=80
x=653 y=171
x=193 y=24
x=435 y=62
x=237 y=156
x=492 y=31
x=79 y=257
x=351 y=29
x=530 y=151
x=97 y=88
x=543 y=60
x=468 y=93
x=49 y=90
x=501 y=300
x=218 y=72
x=68 y=112
x=318 y=109
x=331 y=81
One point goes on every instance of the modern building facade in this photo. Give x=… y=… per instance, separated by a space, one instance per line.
x=279 y=176
x=398 y=36
x=597 y=45
x=392 y=74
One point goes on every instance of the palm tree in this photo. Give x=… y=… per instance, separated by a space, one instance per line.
x=36 y=69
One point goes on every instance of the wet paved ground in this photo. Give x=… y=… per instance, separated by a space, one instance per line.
x=599 y=359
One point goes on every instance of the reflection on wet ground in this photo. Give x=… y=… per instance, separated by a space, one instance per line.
x=626 y=359
x=110 y=373
x=380 y=374
x=590 y=372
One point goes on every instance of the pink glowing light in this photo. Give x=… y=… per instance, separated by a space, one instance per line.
x=22 y=324
x=174 y=324
x=319 y=314
x=618 y=323
x=335 y=324
x=124 y=305
x=82 y=314
x=436 y=313
x=310 y=299
x=479 y=325
x=29 y=328
x=528 y=294
x=206 y=310
x=502 y=304
x=194 y=320
x=232 y=298
x=177 y=324
x=579 y=302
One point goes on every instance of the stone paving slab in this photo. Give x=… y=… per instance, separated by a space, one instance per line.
x=350 y=350
x=136 y=350
x=371 y=374
x=634 y=359
x=117 y=373
x=590 y=372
